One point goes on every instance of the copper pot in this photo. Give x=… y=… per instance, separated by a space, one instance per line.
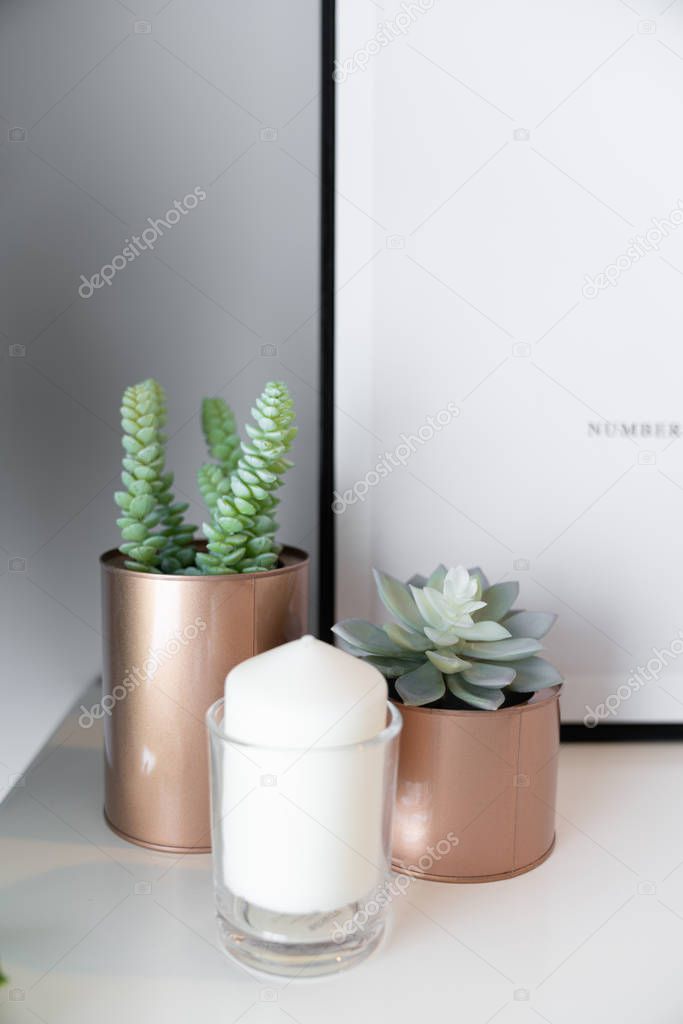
x=476 y=790
x=168 y=644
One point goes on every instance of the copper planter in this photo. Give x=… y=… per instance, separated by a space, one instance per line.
x=168 y=644
x=485 y=779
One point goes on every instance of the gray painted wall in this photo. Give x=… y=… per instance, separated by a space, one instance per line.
x=110 y=112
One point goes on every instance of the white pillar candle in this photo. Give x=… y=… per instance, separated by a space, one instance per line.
x=302 y=811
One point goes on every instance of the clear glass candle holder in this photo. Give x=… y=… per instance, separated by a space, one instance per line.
x=301 y=845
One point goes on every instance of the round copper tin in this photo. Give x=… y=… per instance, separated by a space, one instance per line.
x=168 y=644
x=483 y=784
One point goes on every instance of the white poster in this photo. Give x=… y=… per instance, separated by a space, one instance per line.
x=510 y=271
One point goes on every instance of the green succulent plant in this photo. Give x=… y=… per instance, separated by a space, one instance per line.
x=241 y=536
x=154 y=535
x=454 y=635
x=213 y=482
x=223 y=442
x=238 y=487
x=220 y=432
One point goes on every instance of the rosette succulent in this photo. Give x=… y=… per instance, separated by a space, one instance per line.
x=238 y=487
x=455 y=637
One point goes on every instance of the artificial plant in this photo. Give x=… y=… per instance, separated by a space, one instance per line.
x=155 y=539
x=242 y=531
x=457 y=640
x=238 y=487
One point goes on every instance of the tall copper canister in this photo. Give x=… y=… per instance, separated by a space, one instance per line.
x=476 y=790
x=168 y=644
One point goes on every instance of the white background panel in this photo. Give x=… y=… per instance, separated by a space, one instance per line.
x=515 y=152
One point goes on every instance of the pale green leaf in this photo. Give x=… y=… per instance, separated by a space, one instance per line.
x=447 y=661
x=367 y=638
x=134 y=532
x=393 y=667
x=122 y=499
x=484 y=698
x=437 y=578
x=397 y=598
x=533 y=624
x=535 y=674
x=141 y=505
x=489 y=675
x=502 y=650
x=483 y=631
x=423 y=685
x=408 y=638
x=148 y=454
x=499 y=600
x=483 y=581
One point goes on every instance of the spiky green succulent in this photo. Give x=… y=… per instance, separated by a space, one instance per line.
x=238 y=488
x=241 y=535
x=223 y=441
x=155 y=537
x=220 y=431
x=454 y=634
x=213 y=482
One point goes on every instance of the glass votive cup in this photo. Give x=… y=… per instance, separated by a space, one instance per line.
x=301 y=844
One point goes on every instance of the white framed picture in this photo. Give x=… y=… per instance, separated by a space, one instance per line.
x=509 y=305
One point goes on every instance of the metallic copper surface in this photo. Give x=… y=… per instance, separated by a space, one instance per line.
x=488 y=780
x=168 y=644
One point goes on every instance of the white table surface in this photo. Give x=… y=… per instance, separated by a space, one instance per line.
x=94 y=929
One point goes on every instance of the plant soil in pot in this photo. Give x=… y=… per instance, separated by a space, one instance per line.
x=478 y=759
x=179 y=614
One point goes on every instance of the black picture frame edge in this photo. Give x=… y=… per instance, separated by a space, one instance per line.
x=327 y=541
x=621 y=732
